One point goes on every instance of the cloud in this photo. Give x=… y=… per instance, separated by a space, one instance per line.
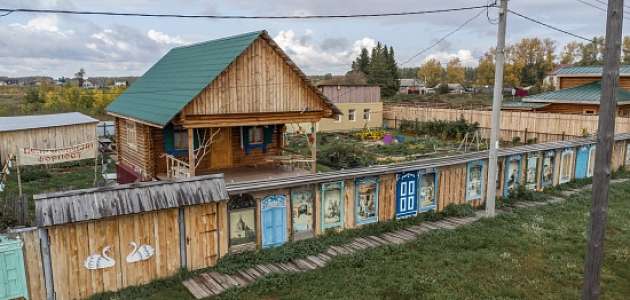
x=331 y=55
x=464 y=55
x=165 y=39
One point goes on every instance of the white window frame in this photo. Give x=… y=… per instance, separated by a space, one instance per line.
x=338 y=119
x=352 y=115
x=132 y=134
x=367 y=112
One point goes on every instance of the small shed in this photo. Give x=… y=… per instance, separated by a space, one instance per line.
x=51 y=131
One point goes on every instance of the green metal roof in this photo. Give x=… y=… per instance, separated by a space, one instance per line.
x=589 y=70
x=168 y=86
x=584 y=94
x=522 y=105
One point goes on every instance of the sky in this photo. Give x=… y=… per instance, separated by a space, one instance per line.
x=59 y=45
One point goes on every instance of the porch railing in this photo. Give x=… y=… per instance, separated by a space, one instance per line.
x=176 y=168
x=293 y=161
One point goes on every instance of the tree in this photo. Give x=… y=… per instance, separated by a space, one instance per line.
x=570 y=53
x=592 y=53
x=455 y=71
x=362 y=63
x=393 y=70
x=485 y=70
x=431 y=72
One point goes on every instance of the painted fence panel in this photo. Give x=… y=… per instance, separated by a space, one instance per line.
x=274 y=220
x=581 y=164
x=406 y=199
x=512 y=174
x=427 y=189
x=366 y=200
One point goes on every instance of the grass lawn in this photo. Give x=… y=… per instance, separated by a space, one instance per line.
x=529 y=254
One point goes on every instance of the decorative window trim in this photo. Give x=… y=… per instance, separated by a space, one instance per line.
x=469 y=166
x=402 y=177
x=325 y=187
x=131 y=130
x=357 y=199
x=571 y=168
x=421 y=174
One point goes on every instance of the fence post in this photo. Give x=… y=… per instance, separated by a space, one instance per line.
x=44 y=246
x=183 y=258
x=525 y=139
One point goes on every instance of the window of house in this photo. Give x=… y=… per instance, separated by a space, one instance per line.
x=351 y=115
x=130 y=127
x=180 y=139
x=256 y=135
x=338 y=118
x=366 y=114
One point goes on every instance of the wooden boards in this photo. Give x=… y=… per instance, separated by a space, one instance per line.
x=452 y=186
x=202 y=236
x=72 y=244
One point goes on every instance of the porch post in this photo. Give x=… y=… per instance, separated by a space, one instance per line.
x=314 y=147
x=191 y=152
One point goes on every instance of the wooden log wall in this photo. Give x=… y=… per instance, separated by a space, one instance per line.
x=45 y=138
x=140 y=156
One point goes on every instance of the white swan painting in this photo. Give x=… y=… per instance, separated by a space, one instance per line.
x=99 y=261
x=140 y=253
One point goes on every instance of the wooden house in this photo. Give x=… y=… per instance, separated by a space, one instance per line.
x=579 y=90
x=217 y=106
x=51 y=131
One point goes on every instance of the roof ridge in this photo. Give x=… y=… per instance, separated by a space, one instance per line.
x=240 y=35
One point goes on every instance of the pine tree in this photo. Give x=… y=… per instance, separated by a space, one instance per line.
x=362 y=63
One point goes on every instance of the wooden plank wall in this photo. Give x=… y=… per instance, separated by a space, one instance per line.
x=33 y=264
x=140 y=158
x=387 y=197
x=202 y=236
x=71 y=244
x=45 y=138
x=618 y=158
x=255 y=156
x=452 y=186
x=349 y=221
x=257 y=81
x=536 y=123
x=569 y=82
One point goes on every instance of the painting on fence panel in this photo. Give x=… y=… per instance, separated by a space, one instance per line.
x=428 y=189
x=512 y=175
x=628 y=154
x=547 y=169
x=474 y=180
x=590 y=170
x=532 y=171
x=332 y=195
x=302 y=213
x=366 y=209
x=242 y=220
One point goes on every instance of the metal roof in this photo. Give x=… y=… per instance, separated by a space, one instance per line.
x=249 y=186
x=44 y=121
x=178 y=77
x=568 y=71
x=98 y=203
x=589 y=93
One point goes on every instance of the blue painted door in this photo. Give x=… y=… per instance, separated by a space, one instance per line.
x=274 y=220
x=581 y=164
x=12 y=273
x=406 y=194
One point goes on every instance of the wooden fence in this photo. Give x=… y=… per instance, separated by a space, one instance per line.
x=526 y=125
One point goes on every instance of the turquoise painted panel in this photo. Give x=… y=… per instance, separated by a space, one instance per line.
x=274 y=220
x=366 y=200
x=475 y=174
x=12 y=272
x=581 y=163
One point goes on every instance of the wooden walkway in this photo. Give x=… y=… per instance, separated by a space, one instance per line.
x=213 y=283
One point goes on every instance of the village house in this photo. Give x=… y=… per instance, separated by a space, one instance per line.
x=219 y=106
x=412 y=86
x=578 y=92
x=360 y=105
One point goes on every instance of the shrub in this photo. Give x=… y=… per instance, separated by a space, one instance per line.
x=34 y=173
x=459 y=210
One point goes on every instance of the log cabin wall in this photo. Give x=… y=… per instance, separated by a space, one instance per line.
x=138 y=153
x=569 y=82
x=258 y=81
x=255 y=156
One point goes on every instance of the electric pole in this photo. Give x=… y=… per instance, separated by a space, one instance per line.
x=491 y=191
x=605 y=142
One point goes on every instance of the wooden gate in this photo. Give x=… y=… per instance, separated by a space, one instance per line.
x=202 y=236
x=274 y=220
x=406 y=197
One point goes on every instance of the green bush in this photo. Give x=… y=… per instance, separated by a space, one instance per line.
x=34 y=173
x=459 y=210
x=445 y=129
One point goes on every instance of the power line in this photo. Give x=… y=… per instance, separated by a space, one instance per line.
x=460 y=27
x=603 y=9
x=549 y=26
x=132 y=14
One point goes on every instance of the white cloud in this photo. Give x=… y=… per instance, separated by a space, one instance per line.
x=164 y=38
x=48 y=23
x=464 y=55
x=313 y=58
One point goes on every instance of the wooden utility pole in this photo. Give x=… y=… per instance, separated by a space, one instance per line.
x=605 y=142
x=491 y=191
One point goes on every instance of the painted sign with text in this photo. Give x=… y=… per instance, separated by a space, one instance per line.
x=33 y=156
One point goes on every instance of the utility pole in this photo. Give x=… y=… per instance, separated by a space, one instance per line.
x=491 y=191
x=605 y=142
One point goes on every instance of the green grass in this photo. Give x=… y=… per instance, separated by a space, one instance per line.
x=529 y=254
